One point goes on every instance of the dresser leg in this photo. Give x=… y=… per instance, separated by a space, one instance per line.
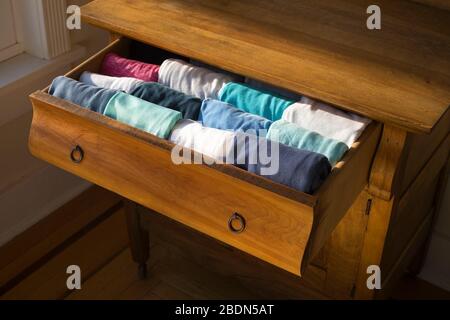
x=138 y=237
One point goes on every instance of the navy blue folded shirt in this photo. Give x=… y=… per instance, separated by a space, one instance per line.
x=85 y=95
x=222 y=115
x=161 y=95
x=299 y=169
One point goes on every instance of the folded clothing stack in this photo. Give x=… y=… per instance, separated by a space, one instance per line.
x=117 y=105
x=221 y=115
x=260 y=129
x=211 y=142
x=326 y=120
x=125 y=84
x=296 y=168
x=192 y=80
x=142 y=114
x=117 y=66
x=153 y=92
x=299 y=169
x=254 y=101
x=91 y=97
x=298 y=137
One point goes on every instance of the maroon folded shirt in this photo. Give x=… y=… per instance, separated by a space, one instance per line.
x=117 y=66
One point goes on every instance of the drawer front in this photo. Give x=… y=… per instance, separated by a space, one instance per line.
x=276 y=230
x=283 y=226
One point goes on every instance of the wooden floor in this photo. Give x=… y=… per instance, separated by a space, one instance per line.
x=170 y=280
x=179 y=268
x=108 y=272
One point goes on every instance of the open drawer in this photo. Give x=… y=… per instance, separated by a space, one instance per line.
x=284 y=227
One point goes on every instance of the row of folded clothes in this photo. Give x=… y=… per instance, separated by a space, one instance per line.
x=207 y=111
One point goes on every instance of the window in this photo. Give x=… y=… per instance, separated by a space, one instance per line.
x=10 y=44
x=37 y=27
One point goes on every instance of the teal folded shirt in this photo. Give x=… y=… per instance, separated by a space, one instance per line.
x=295 y=136
x=254 y=101
x=142 y=114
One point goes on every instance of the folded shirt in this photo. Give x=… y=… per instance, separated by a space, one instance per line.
x=212 y=142
x=254 y=101
x=295 y=136
x=117 y=66
x=189 y=79
x=85 y=95
x=221 y=115
x=299 y=169
x=142 y=114
x=154 y=92
x=326 y=120
x=125 y=84
x=296 y=168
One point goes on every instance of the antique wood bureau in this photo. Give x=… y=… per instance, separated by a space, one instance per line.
x=376 y=207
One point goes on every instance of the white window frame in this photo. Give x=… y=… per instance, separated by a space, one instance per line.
x=40 y=27
x=16 y=48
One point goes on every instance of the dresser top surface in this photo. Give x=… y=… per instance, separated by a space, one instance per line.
x=398 y=75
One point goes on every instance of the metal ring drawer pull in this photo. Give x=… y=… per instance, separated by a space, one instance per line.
x=236 y=217
x=77 y=154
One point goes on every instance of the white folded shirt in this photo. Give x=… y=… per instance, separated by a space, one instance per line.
x=117 y=83
x=212 y=142
x=189 y=79
x=326 y=120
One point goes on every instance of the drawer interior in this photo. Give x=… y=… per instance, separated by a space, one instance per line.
x=286 y=227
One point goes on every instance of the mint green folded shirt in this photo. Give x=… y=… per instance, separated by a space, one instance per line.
x=142 y=114
x=254 y=101
x=295 y=136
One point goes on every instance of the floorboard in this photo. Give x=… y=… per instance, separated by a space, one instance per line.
x=182 y=265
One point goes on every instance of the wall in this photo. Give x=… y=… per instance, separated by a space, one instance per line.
x=436 y=269
x=29 y=188
x=437 y=263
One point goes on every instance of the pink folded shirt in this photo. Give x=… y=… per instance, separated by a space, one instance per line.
x=116 y=66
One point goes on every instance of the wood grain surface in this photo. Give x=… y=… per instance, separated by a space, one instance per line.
x=277 y=228
x=398 y=75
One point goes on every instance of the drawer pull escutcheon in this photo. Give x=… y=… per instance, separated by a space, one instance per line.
x=77 y=154
x=236 y=217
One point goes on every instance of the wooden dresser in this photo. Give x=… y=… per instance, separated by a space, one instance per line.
x=376 y=207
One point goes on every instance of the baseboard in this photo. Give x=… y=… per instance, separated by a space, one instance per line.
x=38 y=243
x=36 y=197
